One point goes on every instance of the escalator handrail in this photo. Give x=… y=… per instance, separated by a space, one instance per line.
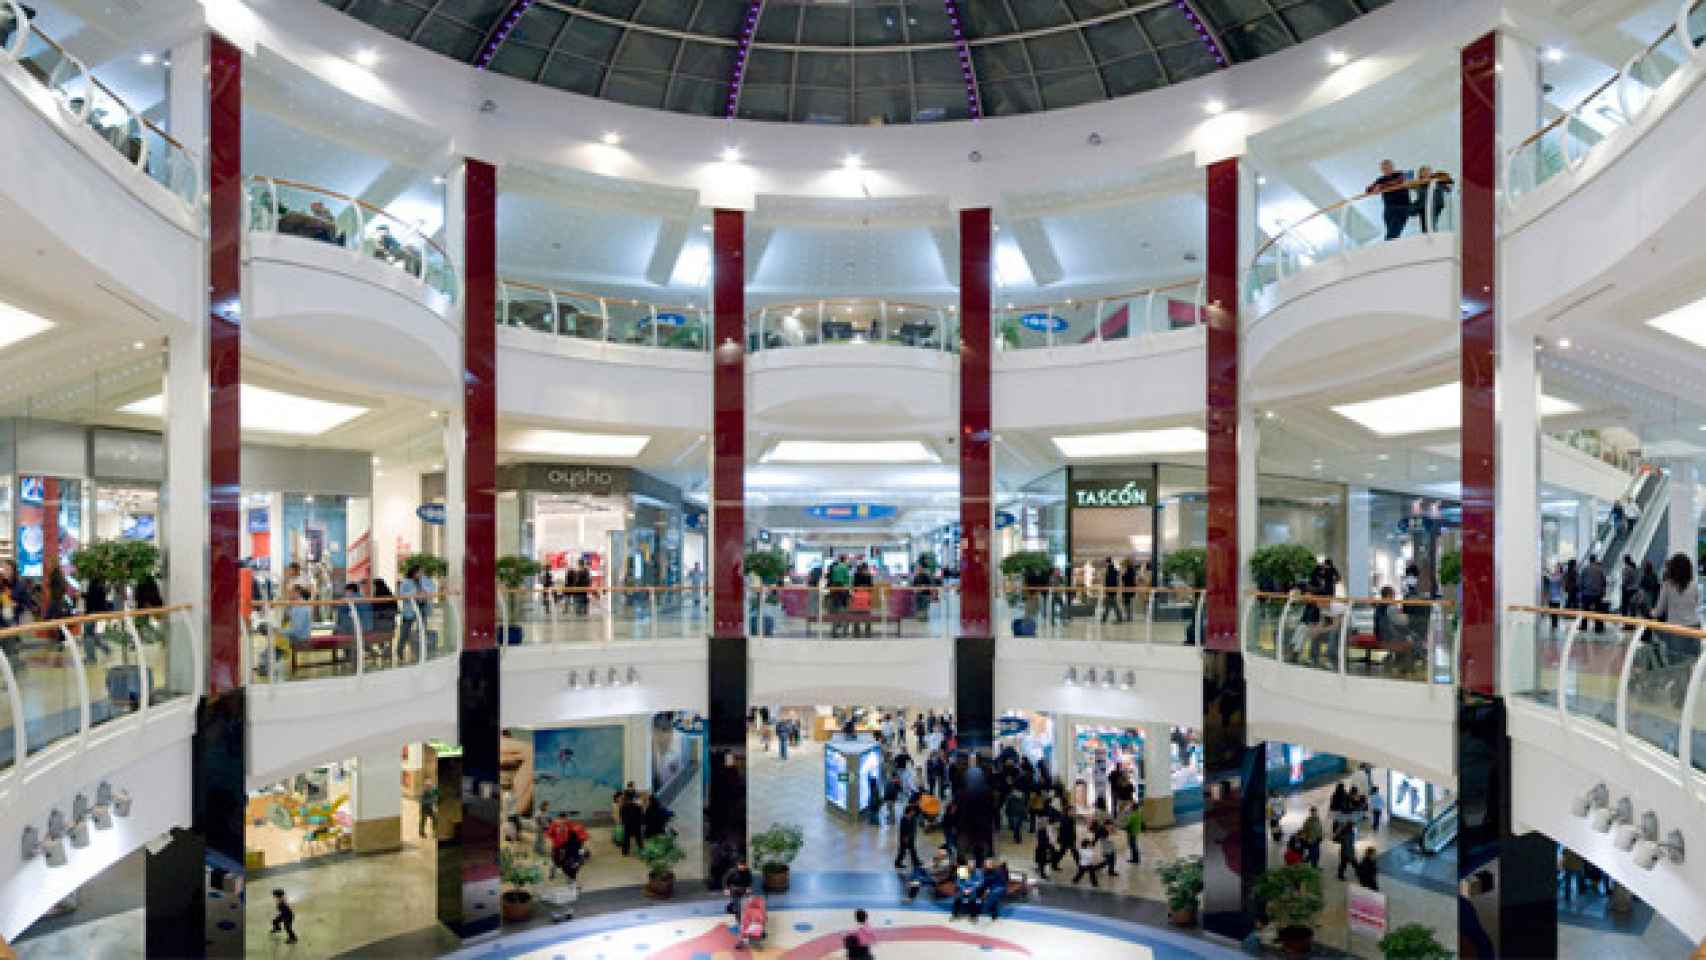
x=1641 y=532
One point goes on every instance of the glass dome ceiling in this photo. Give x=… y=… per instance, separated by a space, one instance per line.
x=855 y=61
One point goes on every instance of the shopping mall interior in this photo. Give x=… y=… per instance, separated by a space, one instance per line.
x=694 y=478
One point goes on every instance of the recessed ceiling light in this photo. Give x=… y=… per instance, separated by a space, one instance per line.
x=17 y=324
x=1261 y=181
x=1337 y=58
x=438 y=181
x=1383 y=457
x=849 y=451
x=367 y=57
x=1425 y=411
x=138 y=345
x=1133 y=443
x=1554 y=54
x=1563 y=343
x=148 y=59
x=1687 y=322
x=1214 y=107
x=269 y=411
x=432 y=414
x=852 y=161
x=731 y=154
x=568 y=443
x=611 y=138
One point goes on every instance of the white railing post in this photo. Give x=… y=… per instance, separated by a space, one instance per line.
x=1344 y=635
x=1279 y=631
x=1564 y=654
x=551 y=618
x=652 y=309
x=360 y=234
x=1690 y=705
x=609 y=615
x=1149 y=616
x=142 y=662
x=20 y=730
x=1434 y=627
x=420 y=631
x=360 y=649
x=74 y=651
x=503 y=620
x=21 y=34
x=1623 y=687
x=652 y=612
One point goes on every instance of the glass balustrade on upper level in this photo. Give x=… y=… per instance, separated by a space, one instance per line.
x=1566 y=140
x=286 y=641
x=1120 y=316
x=42 y=61
x=1168 y=615
x=589 y=316
x=1385 y=638
x=1426 y=203
x=559 y=616
x=64 y=678
x=852 y=322
x=292 y=209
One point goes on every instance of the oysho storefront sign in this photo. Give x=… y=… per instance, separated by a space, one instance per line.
x=565 y=478
x=1115 y=493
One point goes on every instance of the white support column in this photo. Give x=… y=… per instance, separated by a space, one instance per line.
x=637 y=750
x=1521 y=101
x=1157 y=775
x=455 y=425
x=1517 y=525
x=1587 y=510
x=1684 y=520
x=377 y=798
x=1358 y=566
x=1249 y=447
x=1061 y=762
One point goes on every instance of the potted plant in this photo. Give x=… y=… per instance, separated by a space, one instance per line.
x=1010 y=335
x=1413 y=941
x=431 y=564
x=518 y=875
x=512 y=570
x=1451 y=568
x=772 y=852
x=1278 y=567
x=928 y=561
x=660 y=855
x=770 y=565
x=120 y=564
x=1182 y=880
x=1292 y=897
x=1189 y=565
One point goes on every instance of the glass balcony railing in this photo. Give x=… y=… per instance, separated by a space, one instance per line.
x=587 y=316
x=881 y=611
x=1169 y=615
x=1621 y=100
x=293 y=209
x=85 y=99
x=1423 y=205
x=1121 y=316
x=1379 y=637
x=63 y=679
x=852 y=321
x=287 y=641
x=568 y=616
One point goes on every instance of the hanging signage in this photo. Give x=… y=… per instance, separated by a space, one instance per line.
x=694 y=521
x=1011 y=726
x=1099 y=494
x=1043 y=322
x=851 y=511
x=432 y=513
x=1004 y=519
x=671 y=319
x=258 y=520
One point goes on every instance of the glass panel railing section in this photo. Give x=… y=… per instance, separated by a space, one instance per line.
x=629 y=322
x=529 y=617
x=1390 y=639
x=1263 y=622
x=49 y=678
x=303 y=210
x=1595 y=667
x=1534 y=645
x=1313 y=631
x=881 y=611
x=916 y=325
x=1698 y=732
x=1175 y=615
x=526 y=305
x=1659 y=677
x=633 y=613
x=581 y=615
x=8 y=690
x=1650 y=69
x=113 y=121
x=109 y=664
x=168 y=649
x=679 y=327
x=172 y=165
x=1424 y=203
x=438 y=641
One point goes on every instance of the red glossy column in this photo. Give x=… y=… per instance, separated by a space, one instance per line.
x=974 y=647
x=1221 y=410
x=480 y=404
x=224 y=365
x=1479 y=357
x=726 y=656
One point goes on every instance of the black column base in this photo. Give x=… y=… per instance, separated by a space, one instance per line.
x=725 y=832
x=175 y=898
x=470 y=802
x=1235 y=793
x=974 y=693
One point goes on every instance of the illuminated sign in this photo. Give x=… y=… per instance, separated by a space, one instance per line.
x=1097 y=494
x=851 y=511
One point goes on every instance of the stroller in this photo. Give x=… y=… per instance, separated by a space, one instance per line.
x=754 y=922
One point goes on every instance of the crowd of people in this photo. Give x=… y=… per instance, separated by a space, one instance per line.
x=1347 y=808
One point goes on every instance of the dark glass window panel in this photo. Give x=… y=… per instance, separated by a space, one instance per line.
x=825 y=69
x=573 y=73
x=927 y=22
x=825 y=25
x=1037 y=14
x=937 y=66
x=880 y=70
x=702 y=97
x=397 y=19
x=1086 y=9
x=1007 y=97
x=1133 y=75
x=813 y=105
x=1057 y=51
x=778 y=23
x=672 y=14
x=879 y=25
x=769 y=66
x=985 y=18
x=636 y=89
x=708 y=61
x=763 y=103
x=1224 y=13
x=885 y=106
x=998 y=61
x=1311 y=19
x=1069 y=88
x=1166 y=25
x=720 y=18
x=1187 y=60
x=1115 y=39
x=621 y=9
x=940 y=103
x=539 y=26
x=479 y=14
x=1258 y=38
x=590 y=39
x=450 y=39
x=646 y=51
x=518 y=60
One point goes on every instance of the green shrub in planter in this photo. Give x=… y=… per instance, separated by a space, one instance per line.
x=1292 y=895
x=1182 y=881
x=1451 y=568
x=1278 y=567
x=431 y=564
x=1189 y=565
x=770 y=565
x=1413 y=941
x=1026 y=563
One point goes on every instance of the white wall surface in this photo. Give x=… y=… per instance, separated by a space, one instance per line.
x=536 y=691
x=396 y=494
x=1157 y=377
x=1029 y=675
x=1386 y=722
x=910 y=672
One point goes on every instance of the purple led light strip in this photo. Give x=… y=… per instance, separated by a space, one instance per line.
x=742 y=47
x=973 y=104
x=495 y=39
x=1203 y=33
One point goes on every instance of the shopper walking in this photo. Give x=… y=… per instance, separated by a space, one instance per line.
x=1111 y=591
x=429 y=811
x=285 y=918
x=1376 y=806
x=906 y=844
x=1089 y=864
x=1133 y=830
x=1368 y=871
x=1345 y=835
x=1312 y=832
x=1045 y=854
x=1592 y=584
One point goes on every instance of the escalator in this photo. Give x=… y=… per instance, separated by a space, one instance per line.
x=1441 y=831
x=1649 y=492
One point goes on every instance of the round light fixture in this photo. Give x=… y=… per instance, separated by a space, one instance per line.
x=1337 y=58
x=367 y=57
x=611 y=138
x=1214 y=107
x=731 y=154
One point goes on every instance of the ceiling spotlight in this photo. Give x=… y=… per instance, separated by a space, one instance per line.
x=611 y=138
x=367 y=57
x=1563 y=343
x=1599 y=796
x=432 y=414
x=1214 y=108
x=488 y=106
x=1337 y=58
x=1261 y=181
x=1094 y=139
x=976 y=156
x=139 y=345
x=1072 y=676
x=147 y=59
x=731 y=154
x=852 y=161
x=1554 y=55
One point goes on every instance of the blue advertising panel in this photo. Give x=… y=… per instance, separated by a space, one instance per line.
x=851 y=511
x=835 y=778
x=1043 y=322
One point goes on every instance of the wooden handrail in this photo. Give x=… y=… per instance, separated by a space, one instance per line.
x=1406 y=185
x=299 y=185
x=28 y=629
x=1365 y=601
x=344 y=601
x=1591 y=615
x=1163 y=288
x=97 y=82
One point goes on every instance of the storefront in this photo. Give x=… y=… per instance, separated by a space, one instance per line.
x=1110 y=513
x=625 y=526
x=1030 y=735
x=65 y=485
x=1412 y=798
x=310 y=815
x=1407 y=536
x=1100 y=748
x=307 y=507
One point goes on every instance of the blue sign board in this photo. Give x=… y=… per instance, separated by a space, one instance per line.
x=1012 y=726
x=1043 y=322
x=1004 y=519
x=431 y=513
x=671 y=319
x=851 y=511
x=258 y=520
